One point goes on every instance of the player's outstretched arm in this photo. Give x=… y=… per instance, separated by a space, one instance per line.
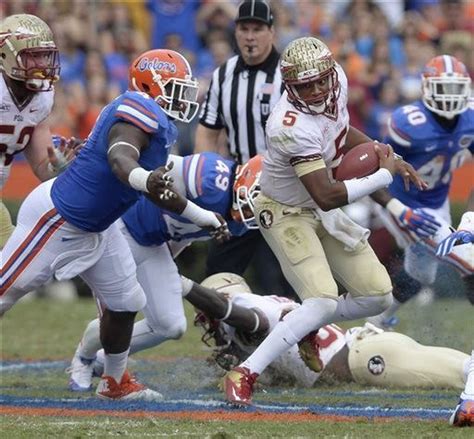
x=49 y=155
x=217 y=306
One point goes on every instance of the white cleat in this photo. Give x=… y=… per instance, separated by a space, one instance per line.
x=81 y=371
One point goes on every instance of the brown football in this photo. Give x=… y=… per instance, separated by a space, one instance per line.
x=360 y=161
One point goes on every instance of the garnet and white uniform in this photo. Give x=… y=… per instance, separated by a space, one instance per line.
x=66 y=225
x=306 y=240
x=17 y=124
x=386 y=359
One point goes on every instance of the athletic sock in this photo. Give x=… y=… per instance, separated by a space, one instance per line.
x=311 y=315
x=115 y=365
x=90 y=342
x=353 y=308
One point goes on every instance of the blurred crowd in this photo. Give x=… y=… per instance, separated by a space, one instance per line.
x=382 y=45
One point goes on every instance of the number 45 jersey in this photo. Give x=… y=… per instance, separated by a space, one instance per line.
x=434 y=151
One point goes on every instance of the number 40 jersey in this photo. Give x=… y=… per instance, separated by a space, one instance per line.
x=434 y=151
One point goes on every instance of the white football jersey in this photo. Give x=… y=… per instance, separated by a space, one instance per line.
x=18 y=123
x=292 y=137
x=331 y=338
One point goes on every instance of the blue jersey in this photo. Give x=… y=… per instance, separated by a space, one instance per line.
x=208 y=182
x=88 y=194
x=434 y=151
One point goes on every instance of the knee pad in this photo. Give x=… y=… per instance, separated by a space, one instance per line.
x=374 y=304
x=170 y=328
x=134 y=301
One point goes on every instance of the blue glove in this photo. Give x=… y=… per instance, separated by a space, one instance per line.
x=418 y=221
x=421 y=223
x=460 y=237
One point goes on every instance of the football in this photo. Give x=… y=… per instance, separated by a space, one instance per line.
x=360 y=161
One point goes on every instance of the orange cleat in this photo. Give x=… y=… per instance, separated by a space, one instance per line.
x=128 y=389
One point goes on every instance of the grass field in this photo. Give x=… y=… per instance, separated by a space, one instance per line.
x=38 y=338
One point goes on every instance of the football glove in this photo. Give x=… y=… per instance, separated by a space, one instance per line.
x=460 y=237
x=421 y=223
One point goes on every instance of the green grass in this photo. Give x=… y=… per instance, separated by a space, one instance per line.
x=50 y=330
x=18 y=427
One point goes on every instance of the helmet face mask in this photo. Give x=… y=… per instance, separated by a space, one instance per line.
x=246 y=190
x=28 y=52
x=307 y=63
x=166 y=76
x=446 y=86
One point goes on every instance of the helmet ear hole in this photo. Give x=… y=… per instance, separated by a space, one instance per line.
x=145 y=87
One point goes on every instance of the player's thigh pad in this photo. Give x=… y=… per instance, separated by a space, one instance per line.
x=391 y=359
x=41 y=246
x=113 y=277
x=291 y=233
x=359 y=270
x=6 y=225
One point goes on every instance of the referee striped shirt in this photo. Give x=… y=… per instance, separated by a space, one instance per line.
x=240 y=99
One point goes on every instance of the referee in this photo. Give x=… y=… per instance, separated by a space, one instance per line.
x=241 y=95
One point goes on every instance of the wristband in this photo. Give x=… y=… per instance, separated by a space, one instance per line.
x=138 y=178
x=359 y=188
x=227 y=313
x=396 y=207
x=199 y=216
x=257 y=323
x=187 y=286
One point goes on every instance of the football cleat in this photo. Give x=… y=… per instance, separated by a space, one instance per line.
x=308 y=349
x=81 y=371
x=128 y=389
x=238 y=386
x=463 y=415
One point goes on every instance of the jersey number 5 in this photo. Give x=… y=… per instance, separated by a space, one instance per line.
x=289 y=118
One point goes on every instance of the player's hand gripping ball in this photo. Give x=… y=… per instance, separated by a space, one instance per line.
x=360 y=161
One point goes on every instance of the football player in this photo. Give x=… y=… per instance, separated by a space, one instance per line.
x=66 y=226
x=435 y=135
x=297 y=209
x=156 y=237
x=235 y=321
x=30 y=67
x=463 y=414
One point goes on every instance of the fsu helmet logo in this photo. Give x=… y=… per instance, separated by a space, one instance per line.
x=376 y=365
x=266 y=218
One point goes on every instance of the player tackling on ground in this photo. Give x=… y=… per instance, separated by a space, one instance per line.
x=297 y=210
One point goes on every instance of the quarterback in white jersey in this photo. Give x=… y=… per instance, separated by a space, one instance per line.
x=30 y=66
x=298 y=208
x=365 y=355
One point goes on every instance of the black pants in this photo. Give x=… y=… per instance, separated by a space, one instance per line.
x=251 y=250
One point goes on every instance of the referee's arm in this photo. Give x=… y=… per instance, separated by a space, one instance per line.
x=210 y=128
x=207 y=139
